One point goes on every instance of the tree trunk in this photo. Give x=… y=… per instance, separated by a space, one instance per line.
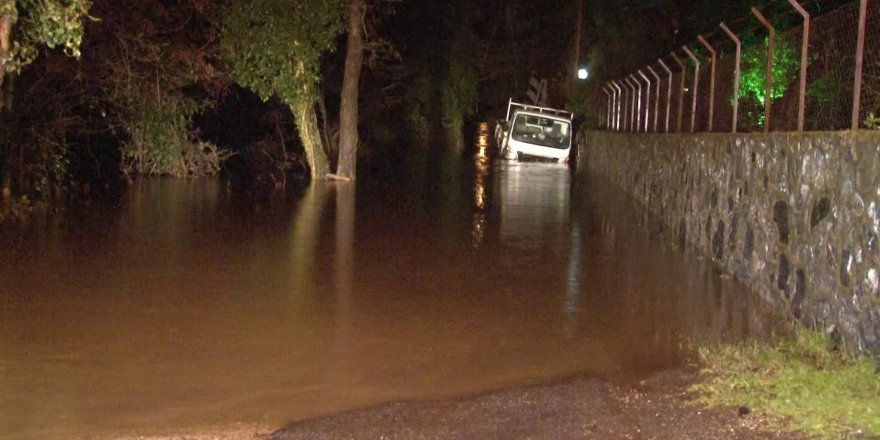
x=5 y=28
x=348 y=113
x=310 y=135
x=303 y=109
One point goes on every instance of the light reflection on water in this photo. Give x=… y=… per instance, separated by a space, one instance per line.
x=183 y=306
x=481 y=173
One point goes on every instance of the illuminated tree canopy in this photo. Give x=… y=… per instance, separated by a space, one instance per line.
x=754 y=79
x=274 y=47
x=34 y=23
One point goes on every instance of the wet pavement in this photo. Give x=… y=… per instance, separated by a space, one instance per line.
x=581 y=408
x=187 y=305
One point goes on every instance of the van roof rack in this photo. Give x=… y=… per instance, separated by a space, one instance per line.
x=511 y=104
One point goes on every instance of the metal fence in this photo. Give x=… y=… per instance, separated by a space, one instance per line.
x=825 y=75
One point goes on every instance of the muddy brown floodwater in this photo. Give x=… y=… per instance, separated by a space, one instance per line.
x=187 y=306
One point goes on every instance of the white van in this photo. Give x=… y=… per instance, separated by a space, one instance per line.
x=532 y=131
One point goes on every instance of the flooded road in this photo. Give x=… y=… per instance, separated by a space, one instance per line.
x=186 y=305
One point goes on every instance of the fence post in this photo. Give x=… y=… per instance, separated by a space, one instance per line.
x=680 y=91
x=627 y=113
x=711 y=81
x=656 y=96
x=609 y=110
x=616 y=118
x=624 y=91
x=804 y=51
x=632 y=106
x=603 y=108
x=735 y=73
x=613 y=105
x=647 y=100
x=668 y=90
x=638 y=102
x=696 y=82
x=860 y=55
x=768 y=93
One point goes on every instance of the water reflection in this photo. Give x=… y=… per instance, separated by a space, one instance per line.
x=343 y=267
x=574 y=285
x=481 y=172
x=534 y=203
x=304 y=239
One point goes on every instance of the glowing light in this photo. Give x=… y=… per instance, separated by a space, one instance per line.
x=583 y=73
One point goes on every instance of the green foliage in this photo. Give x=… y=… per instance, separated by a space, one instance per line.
x=459 y=94
x=54 y=23
x=274 y=47
x=824 y=92
x=160 y=141
x=800 y=383
x=872 y=121
x=456 y=79
x=753 y=82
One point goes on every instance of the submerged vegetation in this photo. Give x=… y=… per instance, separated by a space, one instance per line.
x=802 y=382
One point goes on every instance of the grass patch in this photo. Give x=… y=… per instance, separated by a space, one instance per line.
x=800 y=382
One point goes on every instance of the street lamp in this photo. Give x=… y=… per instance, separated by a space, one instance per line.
x=583 y=73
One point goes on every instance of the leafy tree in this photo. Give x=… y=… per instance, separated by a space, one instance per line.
x=152 y=66
x=459 y=93
x=443 y=52
x=25 y=25
x=274 y=48
x=753 y=83
x=754 y=76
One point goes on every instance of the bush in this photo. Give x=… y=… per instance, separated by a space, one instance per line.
x=160 y=141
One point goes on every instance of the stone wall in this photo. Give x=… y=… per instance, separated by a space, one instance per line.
x=796 y=216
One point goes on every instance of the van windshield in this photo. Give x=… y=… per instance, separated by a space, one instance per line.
x=542 y=131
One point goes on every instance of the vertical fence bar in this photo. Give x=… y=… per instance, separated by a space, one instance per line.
x=735 y=72
x=610 y=106
x=647 y=100
x=603 y=109
x=696 y=82
x=638 y=102
x=768 y=93
x=668 y=90
x=711 y=80
x=632 y=106
x=627 y=111
x=656 y=97
x=805 y=41
x=613 y=104
x=860 y=57
x=624 y=104
x=619 y=104
x=680 y=91
x=610 y=89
